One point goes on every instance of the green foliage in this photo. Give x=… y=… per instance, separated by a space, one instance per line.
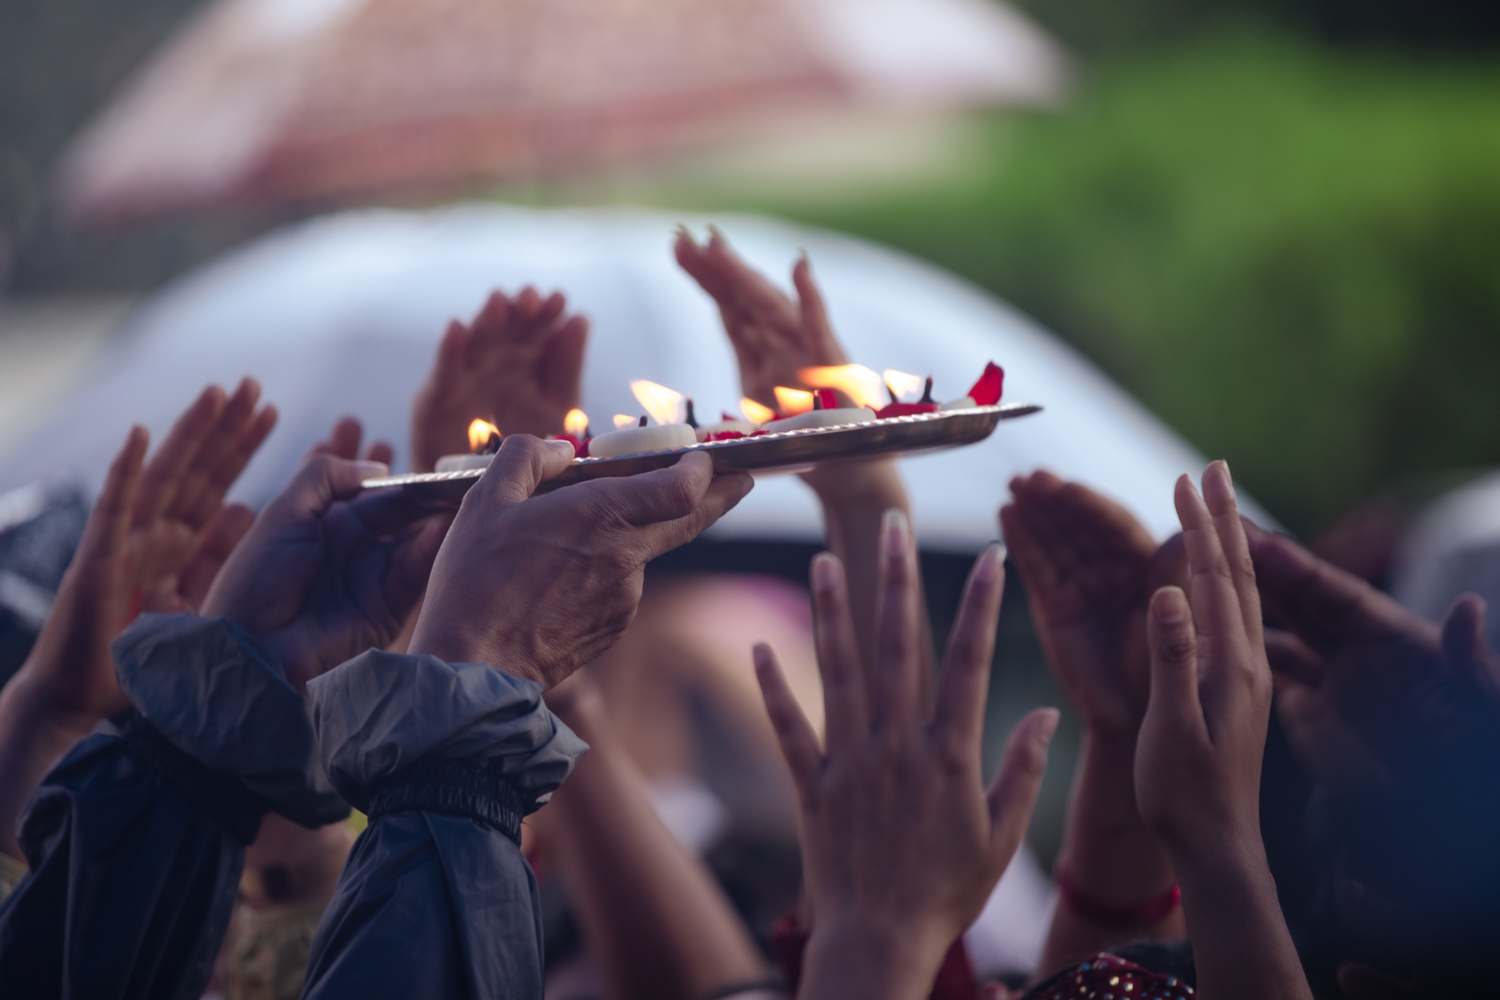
x=1292 y=255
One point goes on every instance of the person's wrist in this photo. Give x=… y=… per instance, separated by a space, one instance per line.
x=861 y=955
x=876 y=484
x=457 y=642
x=32 y=696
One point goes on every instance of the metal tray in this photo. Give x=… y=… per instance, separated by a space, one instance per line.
x=783 y=451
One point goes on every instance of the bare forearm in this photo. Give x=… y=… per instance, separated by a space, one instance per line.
x=1109 y=853
x=654 y=919
x=32 y=738
x=847 y=961
x=1241 y=945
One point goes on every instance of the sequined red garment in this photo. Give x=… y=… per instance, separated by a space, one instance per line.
x=1107 y=977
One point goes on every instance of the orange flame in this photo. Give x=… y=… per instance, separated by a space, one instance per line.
x=479 y=434
x=855 y=381
x=754 y=412
x=793 y=401
x=902 y=383
x=621 y=420
x=576 y=423
x=664 y=405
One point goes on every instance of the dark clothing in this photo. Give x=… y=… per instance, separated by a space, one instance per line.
x=136 y=839
x=436 y=899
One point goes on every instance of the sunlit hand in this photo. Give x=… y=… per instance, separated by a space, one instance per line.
x=326 y=572
x=773 y=336
x=902 y=843
x=538 y=586
x=1089 y=568
x=516 y=365
x=157 y=536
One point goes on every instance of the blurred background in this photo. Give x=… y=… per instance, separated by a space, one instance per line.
x=1276 y=223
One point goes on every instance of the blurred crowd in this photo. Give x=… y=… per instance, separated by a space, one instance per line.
x=351 y=746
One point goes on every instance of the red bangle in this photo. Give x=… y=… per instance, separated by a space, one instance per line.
x=1097 y=911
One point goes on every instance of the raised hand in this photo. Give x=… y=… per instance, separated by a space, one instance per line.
x=516 y=365
x=773 y=336
x=538 y=586
x=902 y=842
x=1089 y=568
x=1199 y=757
x=326 y=573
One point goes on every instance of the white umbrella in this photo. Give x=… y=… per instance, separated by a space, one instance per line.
x=342 y=315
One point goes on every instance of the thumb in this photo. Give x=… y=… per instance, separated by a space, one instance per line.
x=1174 y=661
x=1466 y=647
x=322 y=480
x=1012 y=795
x=522 y=464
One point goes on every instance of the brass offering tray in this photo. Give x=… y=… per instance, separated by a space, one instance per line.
x=781 y=451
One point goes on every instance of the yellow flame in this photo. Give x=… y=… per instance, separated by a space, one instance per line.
x=904 y=384
x=479 y=434
x=664 y=405
x=793 y=401
x=576 y=423
x=621 y=420
x=855 y=381
x=754 y=412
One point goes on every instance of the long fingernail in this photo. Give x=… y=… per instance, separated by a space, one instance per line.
x=1047 y=726
x=824 y=571
x=1228 y=479
x=988 y=570
x=897 y=531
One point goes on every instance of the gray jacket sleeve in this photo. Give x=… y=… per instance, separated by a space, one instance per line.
x=436 y=899
x=136 y=838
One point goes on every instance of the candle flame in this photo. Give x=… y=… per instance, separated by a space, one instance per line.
x=576 y=423
x=621 y=420
x=855 y=381
x=664 y=405
x=793 y=401
x=754 y=412
x=480 y=432
x=903 y=384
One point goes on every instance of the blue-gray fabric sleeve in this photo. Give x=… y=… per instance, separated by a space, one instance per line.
x=436 y=899
x=136 y=838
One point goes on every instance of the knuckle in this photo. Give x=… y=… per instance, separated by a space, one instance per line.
x=1179 y=646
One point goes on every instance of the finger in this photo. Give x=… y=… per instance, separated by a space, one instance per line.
x=237 y=455
x=521 y=465
x=547 y=314
x=343 y=440
x=895 y=674
x=752 y=293
x=217 y=540
x=322 y=480
x=492 y=324
x=971 y=649
x=380 y=451
x=560 y=365
x=845 y=698
x=1218 y=494
x=723 y=493
x=164 y=473
x=1012 y=795
x=1173 y=702
x=1038 y=572
x=656 y=496
x=1467 y=648
x=527 y=305
x=814 y=315
x=411 y=563
x=1169 y=565
x=190 y=503
x=109 y=522
x=1213 y=590
x=799 y=744
x=1292 y=660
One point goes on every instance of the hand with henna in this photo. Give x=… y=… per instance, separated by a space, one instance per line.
x=517 y=365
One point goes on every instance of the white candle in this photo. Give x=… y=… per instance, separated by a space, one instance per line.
x=961 y=403
x=823 y=418
x=636 y=440
x=458 y=463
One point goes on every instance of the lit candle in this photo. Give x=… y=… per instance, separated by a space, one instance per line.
x=896 y=408
x=641 y=439
x=484 y=439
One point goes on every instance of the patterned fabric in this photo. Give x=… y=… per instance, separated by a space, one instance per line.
x=1109 y=977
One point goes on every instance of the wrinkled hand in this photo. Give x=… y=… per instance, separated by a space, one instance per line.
x=157 y=536
x=1369 y=690
x=902 y=843
x=538 y=586
x=1089 y=568
x=516 y=365
x=1198 y=760
x=773 y=337
x=327 y=572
